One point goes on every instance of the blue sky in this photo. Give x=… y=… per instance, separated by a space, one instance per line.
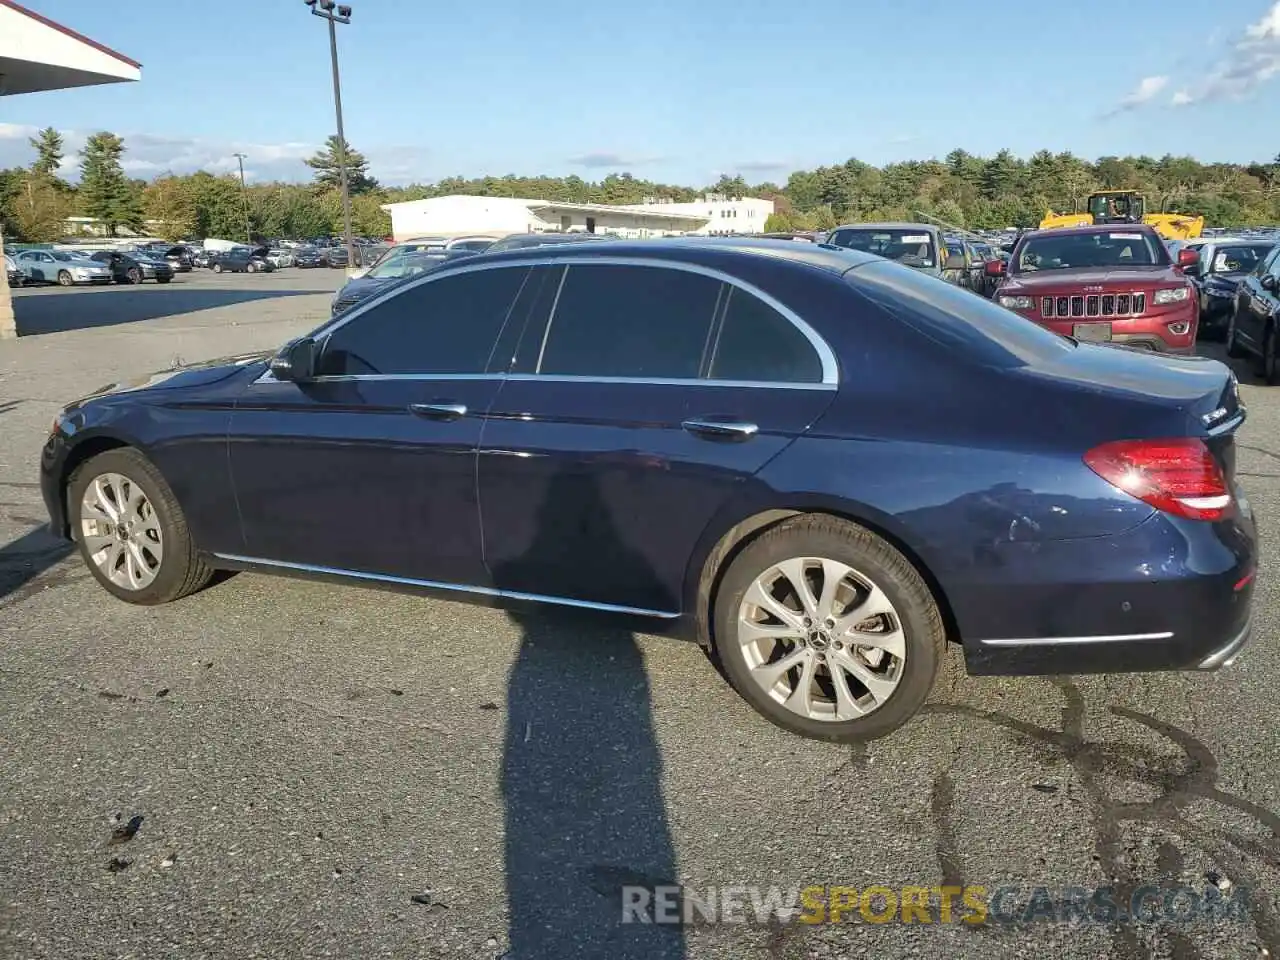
x=673 y=90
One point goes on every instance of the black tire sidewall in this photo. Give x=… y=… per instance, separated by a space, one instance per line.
x=132 y=464
x=874 y=558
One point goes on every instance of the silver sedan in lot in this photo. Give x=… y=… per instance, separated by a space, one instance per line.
x=60 y=267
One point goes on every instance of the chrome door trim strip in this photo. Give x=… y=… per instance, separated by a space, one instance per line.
x=452 y=587
x=830 y=369
x=1056 y=641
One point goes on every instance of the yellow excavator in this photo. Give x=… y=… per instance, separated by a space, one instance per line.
x=1127 y=206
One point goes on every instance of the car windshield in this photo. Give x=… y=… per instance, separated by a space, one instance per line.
x=401 y=262
x=1239 y=258
x=910 y=246
x=1076 y=251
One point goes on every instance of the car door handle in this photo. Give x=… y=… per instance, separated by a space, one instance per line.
x=721 y=429
x=439 y=411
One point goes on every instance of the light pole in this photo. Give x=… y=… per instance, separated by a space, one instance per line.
x=336 y=14
x=244 y=199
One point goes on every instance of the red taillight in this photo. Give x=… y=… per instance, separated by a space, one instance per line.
x=1178 y=476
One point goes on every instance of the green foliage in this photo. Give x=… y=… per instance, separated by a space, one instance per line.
x=49 y=151
x=326 y=162
x=105 y=192
x=39 y=208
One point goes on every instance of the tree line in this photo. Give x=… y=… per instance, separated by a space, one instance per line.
x=962 y=189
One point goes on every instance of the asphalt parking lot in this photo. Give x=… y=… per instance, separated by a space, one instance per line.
x=331 y=771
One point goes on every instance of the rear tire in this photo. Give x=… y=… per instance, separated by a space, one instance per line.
x=154 y=559
x=848 y=572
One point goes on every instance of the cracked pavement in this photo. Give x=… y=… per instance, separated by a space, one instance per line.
x=334 y=771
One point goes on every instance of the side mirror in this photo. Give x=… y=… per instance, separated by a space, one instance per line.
x=1187 y=258
x=1269 y=283
x=296 y=361
x=995 y=268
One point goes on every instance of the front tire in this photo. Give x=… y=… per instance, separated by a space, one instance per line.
x=130 y=530
x=1268 y=367
x=217 y=268
x=163 y=279
x=64 y=279
x=827 y=630
x=1234 y=350
x=134 y=275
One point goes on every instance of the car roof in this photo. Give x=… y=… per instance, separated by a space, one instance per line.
x=832 y=259
x=888 y=225
x=1092 y=228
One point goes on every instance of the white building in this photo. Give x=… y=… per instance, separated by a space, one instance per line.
x=37 y=54
x=724 y=215
x=460 y=214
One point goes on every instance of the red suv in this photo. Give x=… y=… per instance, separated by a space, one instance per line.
x=1112 y=283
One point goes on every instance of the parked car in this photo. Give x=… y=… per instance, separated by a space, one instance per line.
x=475 y=244
x=61 y=267
x=280 y=257
x=1115 y=284
x=202 y=258
x=13 y=273
x=916 y=245
x=242 y=260
x=404 y=261
x=523 y=241
x=1255 y=316
x=179 y=259
x=336 y=257
x=1224 y=263
x=307 y=257
x=964 y=266
x=134 y=267
x=784 y=451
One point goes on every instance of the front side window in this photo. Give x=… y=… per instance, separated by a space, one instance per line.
x=1239 y=258
x=448 y=326
x=630 y=321
x=757 y=343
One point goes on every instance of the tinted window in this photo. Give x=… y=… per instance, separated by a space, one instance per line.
x=449 y=326
x=758 y=343
x=624 y=321
x=1069 y=251
x=912 y=246
x=953 y=317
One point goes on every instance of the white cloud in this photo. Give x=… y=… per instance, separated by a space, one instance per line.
x=1251 y=60
x=601 y=159
x=150 y=155
x=1147 y=88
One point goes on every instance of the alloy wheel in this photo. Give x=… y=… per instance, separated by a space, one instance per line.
x=121 y=531
x=821 y=639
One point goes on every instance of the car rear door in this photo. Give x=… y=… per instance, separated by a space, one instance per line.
x=370 y=468
x=643 y=397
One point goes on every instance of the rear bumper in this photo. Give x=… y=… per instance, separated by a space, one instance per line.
x=1167 y=595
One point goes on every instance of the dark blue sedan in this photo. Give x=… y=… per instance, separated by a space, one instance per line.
x=823 y=465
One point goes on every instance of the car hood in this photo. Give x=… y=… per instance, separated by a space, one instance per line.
x=362 y=287
x=1109 y=278
x=1226 y=279
x=183 y=375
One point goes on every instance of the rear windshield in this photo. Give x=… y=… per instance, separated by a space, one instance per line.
x=910 y=246
x=957 y=319
x=1239 y=258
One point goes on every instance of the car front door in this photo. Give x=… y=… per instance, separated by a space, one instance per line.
x=643 y=398
x=369 y=468
x=1255 y=305
x=37 y=265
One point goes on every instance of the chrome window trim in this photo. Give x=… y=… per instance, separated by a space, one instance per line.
x=827 y=357
x=1055 y=641
x=267 y=377
x=452 y=587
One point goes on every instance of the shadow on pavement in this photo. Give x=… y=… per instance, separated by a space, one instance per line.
x=55 y=312
x=24 y=559
x=582 y=772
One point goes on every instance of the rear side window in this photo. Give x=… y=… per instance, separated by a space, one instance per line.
x=446 y=326
x=758 y=343
x=969 y=325
x=629 y=321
